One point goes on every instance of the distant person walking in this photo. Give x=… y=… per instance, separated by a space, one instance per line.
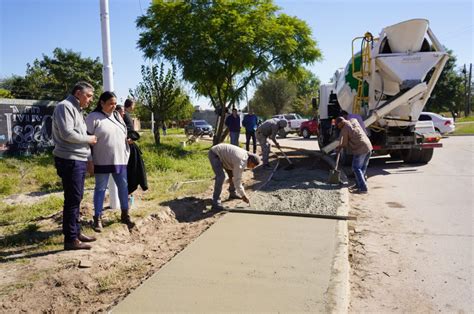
x=269 y=130
x=110 y=156
x=233 y=160
x=250 y=123
x=355 y=139
x=72 y=158
x=233 y=124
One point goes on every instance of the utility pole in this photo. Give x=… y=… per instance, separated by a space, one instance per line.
x=469 y=88
x=464 y=71
x=107 y=76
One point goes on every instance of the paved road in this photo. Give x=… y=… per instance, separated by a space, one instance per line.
x=414 y=236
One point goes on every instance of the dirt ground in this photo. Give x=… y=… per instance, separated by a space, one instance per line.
x=95 y=280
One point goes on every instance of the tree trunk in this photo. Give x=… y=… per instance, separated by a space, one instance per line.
x=218 y=136
x=156 y=131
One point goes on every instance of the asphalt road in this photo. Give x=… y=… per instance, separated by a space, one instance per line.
x=414 y=236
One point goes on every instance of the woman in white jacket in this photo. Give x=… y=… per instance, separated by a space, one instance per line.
x=110 y=156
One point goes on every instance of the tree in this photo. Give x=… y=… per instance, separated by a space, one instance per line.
x=274 y=96
x=222 y=46
x=307 y=86
x=5 y=93
x=161 y=94
x=53 y=78
x=448 y=92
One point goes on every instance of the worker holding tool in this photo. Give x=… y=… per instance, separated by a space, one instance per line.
x=233 y=160
x=354 y=138
x=269 y=130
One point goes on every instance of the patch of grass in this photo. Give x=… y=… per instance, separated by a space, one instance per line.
x=467 y=128
x=26 y=174
x=465 y=119
x=20 y=213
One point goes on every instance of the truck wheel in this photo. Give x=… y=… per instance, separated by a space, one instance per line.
x=396 y=154
x=282 y=133
x=426 y=155
x=306 y=133
x=411 y=156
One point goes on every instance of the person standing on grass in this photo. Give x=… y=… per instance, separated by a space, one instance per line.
x=233 y=160
x=110 y=156
x=72 y=159
x=233 y=124
x=354 y=138
x=250 y=124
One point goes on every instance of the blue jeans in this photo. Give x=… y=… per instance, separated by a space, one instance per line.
x=234 y=138
x=359 y=166
x=101 y=181
x=72 y=174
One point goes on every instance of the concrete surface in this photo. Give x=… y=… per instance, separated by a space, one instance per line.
x=247 y=263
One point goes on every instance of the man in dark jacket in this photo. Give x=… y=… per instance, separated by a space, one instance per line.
x=250 y=124
x=233 y=124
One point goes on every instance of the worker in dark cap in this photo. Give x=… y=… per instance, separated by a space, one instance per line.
x=233 y=160
x=269 y=130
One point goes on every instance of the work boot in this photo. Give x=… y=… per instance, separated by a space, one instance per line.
x=76 y=245
x=234 y=196
x=125 y=219
x=217 y=207
x=84 y=238
x=97 y=225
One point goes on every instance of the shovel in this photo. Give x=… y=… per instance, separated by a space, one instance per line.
x=291 y=165
x=335 y=175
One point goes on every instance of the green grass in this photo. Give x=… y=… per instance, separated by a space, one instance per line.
x=466 y=119
x=467 y=128
x=28 y=174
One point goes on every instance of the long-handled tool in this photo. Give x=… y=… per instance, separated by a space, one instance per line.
x=335 y=175
x=291 y=165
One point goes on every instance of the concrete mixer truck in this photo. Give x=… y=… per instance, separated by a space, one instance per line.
x=387 y=82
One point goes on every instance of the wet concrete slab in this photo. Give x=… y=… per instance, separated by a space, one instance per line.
x=245 y=263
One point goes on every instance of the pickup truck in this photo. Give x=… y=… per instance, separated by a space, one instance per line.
x=294 y=122
x=308 y=128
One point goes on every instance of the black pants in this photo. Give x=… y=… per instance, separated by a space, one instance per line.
x=248 y=135
x=73 y=174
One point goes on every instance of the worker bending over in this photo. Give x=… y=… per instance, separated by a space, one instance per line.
x=354 y=138
x=269 y=130
x=233 y=160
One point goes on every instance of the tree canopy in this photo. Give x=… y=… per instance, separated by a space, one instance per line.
x=222 y=46
x=282 y=93
x=448 y=92
x=53 y=78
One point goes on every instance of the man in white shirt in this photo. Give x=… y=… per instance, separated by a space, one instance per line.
x=233 y=160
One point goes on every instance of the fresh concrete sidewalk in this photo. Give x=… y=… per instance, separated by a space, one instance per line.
x=252 y=263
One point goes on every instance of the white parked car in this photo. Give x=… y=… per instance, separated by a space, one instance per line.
x=294 y=121
x=441 y=124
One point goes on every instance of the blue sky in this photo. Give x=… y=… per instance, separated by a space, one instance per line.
x=31 y=28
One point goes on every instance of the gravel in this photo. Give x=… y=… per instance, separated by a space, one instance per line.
x=300 y=190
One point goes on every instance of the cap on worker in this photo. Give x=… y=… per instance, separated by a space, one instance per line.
x=339 y=120
x=282 y=123
x=253 y=158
